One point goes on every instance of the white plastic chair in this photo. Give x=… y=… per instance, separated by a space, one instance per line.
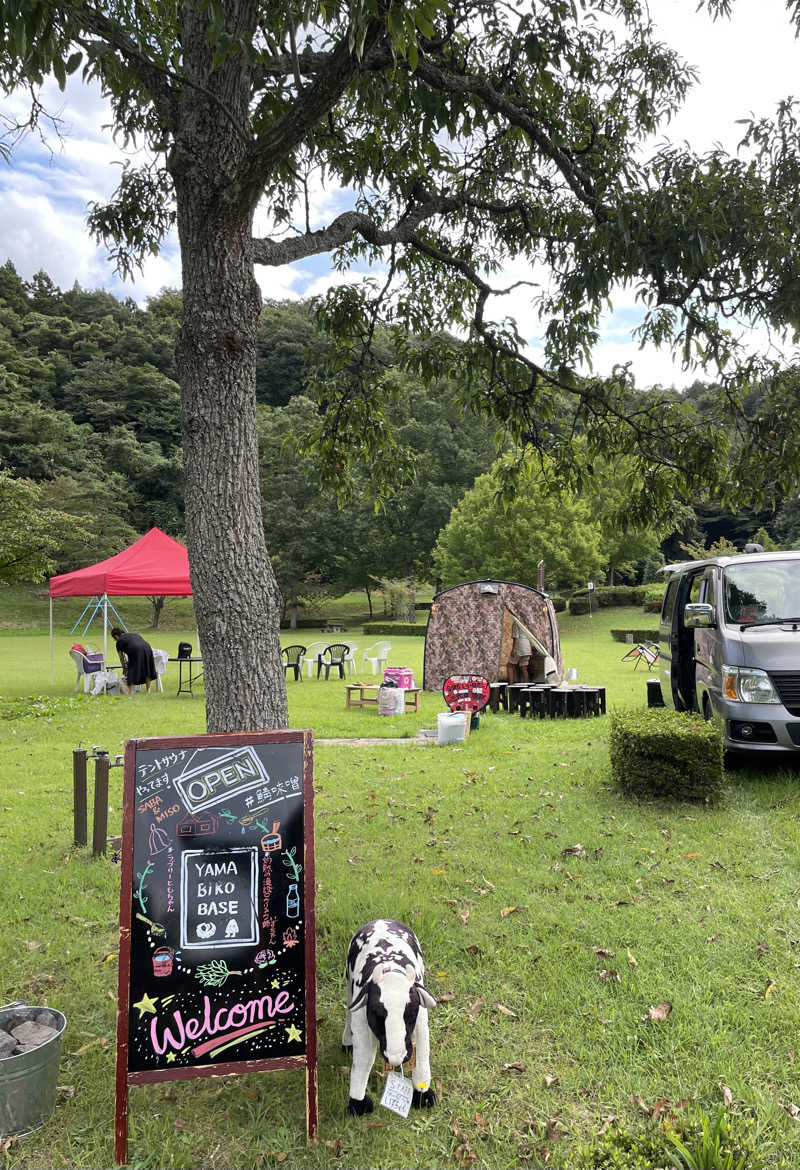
x=377 y=656
x=350 y=657
x=160 y=657
x=87 y=665
x=310 y=656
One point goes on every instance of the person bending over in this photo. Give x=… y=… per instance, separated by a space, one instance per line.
x=136 y=657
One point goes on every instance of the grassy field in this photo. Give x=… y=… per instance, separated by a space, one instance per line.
x=546 y=959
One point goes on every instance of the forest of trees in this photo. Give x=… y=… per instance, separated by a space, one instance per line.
x=89 y=414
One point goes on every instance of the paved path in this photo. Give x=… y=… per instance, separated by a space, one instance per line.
x=414 y=741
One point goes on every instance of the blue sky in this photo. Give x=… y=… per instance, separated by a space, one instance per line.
x=746 y=66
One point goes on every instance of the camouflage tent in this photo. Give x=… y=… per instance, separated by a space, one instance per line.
x=470 y=631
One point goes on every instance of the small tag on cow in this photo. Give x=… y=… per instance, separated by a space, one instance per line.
x=398 y=1094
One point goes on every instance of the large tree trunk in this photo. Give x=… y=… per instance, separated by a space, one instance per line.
x=236 y=598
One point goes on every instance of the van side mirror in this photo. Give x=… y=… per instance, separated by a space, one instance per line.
x=699 y=615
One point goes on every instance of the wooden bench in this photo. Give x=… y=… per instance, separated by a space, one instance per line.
x=366 y=695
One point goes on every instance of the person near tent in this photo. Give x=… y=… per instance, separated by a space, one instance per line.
x=136 y=657
x=519 y=661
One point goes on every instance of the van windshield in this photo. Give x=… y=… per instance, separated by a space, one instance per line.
x=761 y=593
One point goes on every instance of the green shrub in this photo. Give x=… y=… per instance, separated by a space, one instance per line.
x=559 y=604
x=666 y=753
x=607 y=596
x=579 y=605
x=653 y=605
x=313 y=623
x=636 y=635
x=396 y=628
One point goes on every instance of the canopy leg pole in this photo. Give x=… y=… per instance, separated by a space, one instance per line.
x=105 y=628
x=51 y=641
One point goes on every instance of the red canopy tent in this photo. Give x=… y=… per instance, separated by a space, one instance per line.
x=154 y=565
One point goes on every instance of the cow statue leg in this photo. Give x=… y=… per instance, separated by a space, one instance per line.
x=365 y=1046
x=424 y=1096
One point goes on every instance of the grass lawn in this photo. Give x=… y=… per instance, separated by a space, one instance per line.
x=545 y=959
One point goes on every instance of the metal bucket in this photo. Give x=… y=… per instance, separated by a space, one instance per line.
x=28 y=1081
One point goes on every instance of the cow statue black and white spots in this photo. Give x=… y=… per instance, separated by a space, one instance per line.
x=387 y=1009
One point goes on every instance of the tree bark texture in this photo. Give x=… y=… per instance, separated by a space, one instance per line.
x=236 y=598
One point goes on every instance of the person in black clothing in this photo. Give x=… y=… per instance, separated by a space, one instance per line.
x=136 y=656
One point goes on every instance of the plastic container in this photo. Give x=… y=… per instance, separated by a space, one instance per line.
x=402 y=676
x=28 y=1081
x=451 y=726
x=391 y=701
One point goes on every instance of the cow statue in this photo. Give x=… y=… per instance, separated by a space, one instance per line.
x=387 y=1008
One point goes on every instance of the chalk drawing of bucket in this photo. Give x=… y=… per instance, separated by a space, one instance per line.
x=271 y=842
x=162 y=961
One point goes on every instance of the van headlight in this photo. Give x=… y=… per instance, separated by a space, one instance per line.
x=747 y=685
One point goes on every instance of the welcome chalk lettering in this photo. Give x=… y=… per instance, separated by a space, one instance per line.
x=214 y=781
x=225 y=1024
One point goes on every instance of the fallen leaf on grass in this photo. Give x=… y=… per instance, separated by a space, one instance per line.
x=610 y=976
x=515 y=1066
x=549 y=1080
x=481 y=1122
x=554 y=1130
x=713 y=938
x=180 y=1123
x=607 y=1123
x=506 y=1011
x=793 y=1110
x=658 y=1013
x=506 y=910
x=763 y=947
x=67 y=1090
x=662 y=1105
x=633 y=962
x=770 y=988
x=372 y=1125
x=692 y=856
x=573 y=851
x=603 y=953
x=279 y=1157
x=475 y=1009
x=448 y=997
x=727 y=1095
x=31 y=945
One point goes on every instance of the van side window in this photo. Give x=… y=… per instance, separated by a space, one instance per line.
x=668 y=608
x=694 y=591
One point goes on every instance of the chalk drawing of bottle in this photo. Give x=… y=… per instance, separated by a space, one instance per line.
x=293 y=902
x=159 y=841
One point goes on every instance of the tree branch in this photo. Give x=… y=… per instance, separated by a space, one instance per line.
x=153 y=77
x=310 y=107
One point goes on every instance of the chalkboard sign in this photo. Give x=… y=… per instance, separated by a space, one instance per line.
x=217 y=965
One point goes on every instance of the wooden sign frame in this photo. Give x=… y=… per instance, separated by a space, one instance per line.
x=156 y=810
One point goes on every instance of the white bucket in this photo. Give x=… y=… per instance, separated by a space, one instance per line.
x=391 y=701
x=451 y=727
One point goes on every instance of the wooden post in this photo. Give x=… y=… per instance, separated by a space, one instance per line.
x=100 y=828
x=79 y=811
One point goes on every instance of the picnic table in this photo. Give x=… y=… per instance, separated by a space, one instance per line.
x=366 y=695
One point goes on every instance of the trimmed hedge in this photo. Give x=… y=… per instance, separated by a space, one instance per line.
x=653 y=605
x=308 y=623
x=606 y=596
x=559 y=604
x=636 y=635
x=666 y=753
x=396 y=628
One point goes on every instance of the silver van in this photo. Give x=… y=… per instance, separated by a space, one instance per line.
x=729 y=642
